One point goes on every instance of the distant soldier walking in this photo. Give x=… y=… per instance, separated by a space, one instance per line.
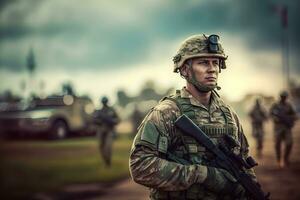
x=136 y=119
x=106 y=119
x=258 y=116
x=284 y=117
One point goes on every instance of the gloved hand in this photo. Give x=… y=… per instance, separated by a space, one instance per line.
x=222 y=182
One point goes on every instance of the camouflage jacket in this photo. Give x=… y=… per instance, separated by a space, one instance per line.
x=106 y=117
x=157 y=136
x=258 y=115
x=283 y=115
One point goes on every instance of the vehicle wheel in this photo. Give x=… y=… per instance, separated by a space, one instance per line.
x=59 y=130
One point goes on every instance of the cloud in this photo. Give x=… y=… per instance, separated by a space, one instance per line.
x=110 y=34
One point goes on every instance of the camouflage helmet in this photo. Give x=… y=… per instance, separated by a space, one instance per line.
x=104 y=100
x=284 y=94
x=199 y=46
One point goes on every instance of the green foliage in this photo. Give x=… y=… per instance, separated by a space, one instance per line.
x=28 y=167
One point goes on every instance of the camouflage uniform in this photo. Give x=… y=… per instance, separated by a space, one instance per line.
x=158 y=141
x=157 y=138
x=106 y=119
x=258 y=116
x=284 y=117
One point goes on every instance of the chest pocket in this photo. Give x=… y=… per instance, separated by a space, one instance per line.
x=194 y=151
x=197 y=153
x=224 y=124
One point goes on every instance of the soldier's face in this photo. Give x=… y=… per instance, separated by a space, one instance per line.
x=206 y=70
x=283 y=98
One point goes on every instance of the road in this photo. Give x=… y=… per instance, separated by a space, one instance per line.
x=282 y=183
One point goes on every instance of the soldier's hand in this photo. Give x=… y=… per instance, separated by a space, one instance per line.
x=220 y=181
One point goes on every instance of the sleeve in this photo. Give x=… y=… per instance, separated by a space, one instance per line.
x=116 y=116
x=244 y=150
x=274 y=113
x=96 y=119
x=148 y=167
x=250 y=113
x=293 y=113
x=265 y=114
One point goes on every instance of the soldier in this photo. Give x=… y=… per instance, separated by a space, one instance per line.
x=136 y=119
x=284 y=117
x=258 y=116
x=199 y=60
x=106 y=119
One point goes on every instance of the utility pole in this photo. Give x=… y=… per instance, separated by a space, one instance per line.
x=31 y=66
x=282 y=11
x=285 y=44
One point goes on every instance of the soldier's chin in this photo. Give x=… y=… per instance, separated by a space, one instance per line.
x=211 y=84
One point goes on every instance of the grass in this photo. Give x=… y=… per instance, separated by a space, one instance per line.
x=28 y=167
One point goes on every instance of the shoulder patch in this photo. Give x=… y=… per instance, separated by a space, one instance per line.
x=167 y=104
x=150 y=133
x=163 y=144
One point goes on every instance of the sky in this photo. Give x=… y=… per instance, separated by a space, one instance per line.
x=102 y=46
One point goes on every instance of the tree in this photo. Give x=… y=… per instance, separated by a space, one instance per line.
x=31 y=64
x=67 y=89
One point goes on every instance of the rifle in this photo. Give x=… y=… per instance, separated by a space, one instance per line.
x=225 y=158
x=101 y=117
x=286 y=120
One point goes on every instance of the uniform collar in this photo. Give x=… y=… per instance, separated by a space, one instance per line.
x=214 y=102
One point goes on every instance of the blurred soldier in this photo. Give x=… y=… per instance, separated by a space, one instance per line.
x=136 y=119
x=258 y=116
x=199 y=60
x=106 y=119
x=284 y=117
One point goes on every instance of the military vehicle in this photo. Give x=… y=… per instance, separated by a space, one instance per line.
x=56 y=117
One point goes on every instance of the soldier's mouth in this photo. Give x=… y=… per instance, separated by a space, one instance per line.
x=211 y=78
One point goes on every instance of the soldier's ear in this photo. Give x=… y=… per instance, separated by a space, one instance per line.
x=184 y=70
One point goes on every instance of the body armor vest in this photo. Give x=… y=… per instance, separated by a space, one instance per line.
x=188 y=149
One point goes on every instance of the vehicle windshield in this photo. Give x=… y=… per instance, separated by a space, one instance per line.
x=12 y=106
x=46 y=103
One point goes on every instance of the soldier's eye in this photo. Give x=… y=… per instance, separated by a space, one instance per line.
x=215 y=62
x=203 y=62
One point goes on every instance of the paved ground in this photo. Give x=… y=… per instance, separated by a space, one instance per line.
x=284 y=184
x=125 y=190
